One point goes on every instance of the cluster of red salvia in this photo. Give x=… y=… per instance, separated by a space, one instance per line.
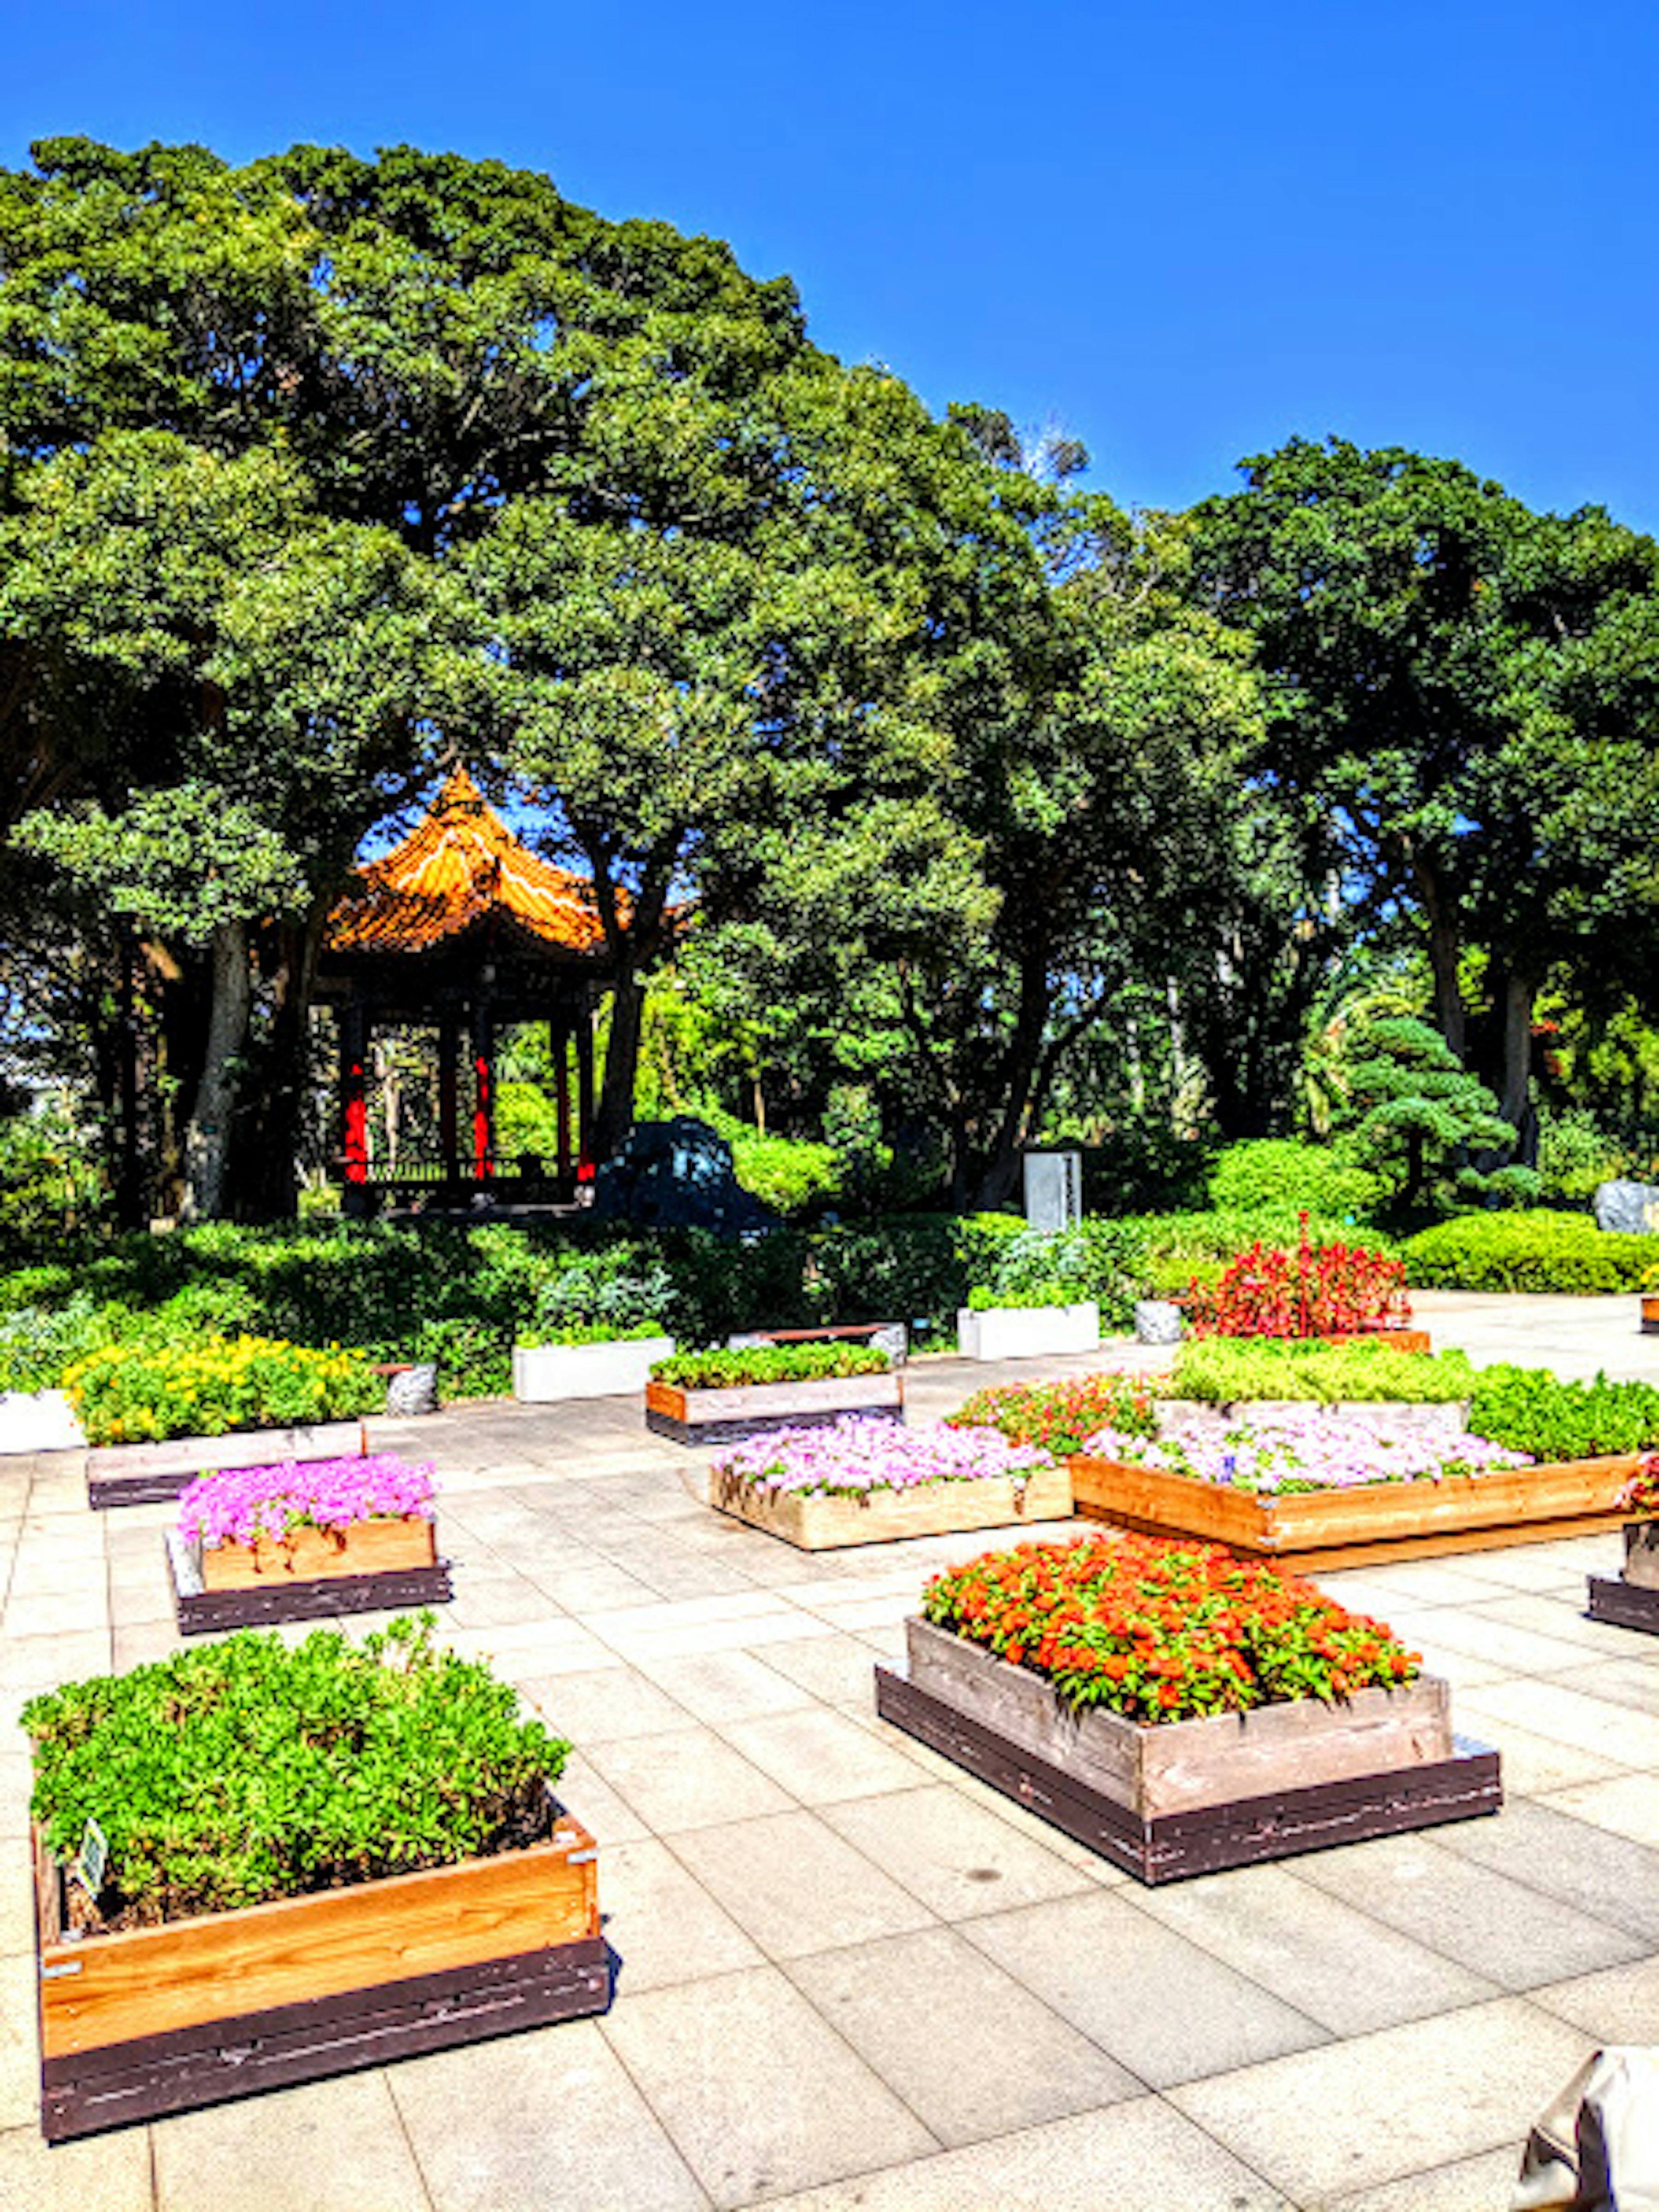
x=1060 y=1416
x=1165 y=1633
x=1324 y=1289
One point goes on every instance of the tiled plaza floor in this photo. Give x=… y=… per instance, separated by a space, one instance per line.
x=852 y=1977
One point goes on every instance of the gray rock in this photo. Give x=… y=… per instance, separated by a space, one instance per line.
x=414 y=1391
x=1630 y=1209
x=1157 y=1321
x=676 y=1175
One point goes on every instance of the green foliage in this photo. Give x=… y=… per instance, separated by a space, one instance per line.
x=1061 y=1416
x=1098 y=1260
x=1412 y=1110
x=1529 y=1251
x=593 y=1299
x=37 y=1344
x=787 y=1174
x=1576 y=1154
x=1277 y=1175
x=1528 y=1409
x=1221 y=1371
x=209 y=1386
x=246 y=1770
x=50 y=1186
x=769 y=1362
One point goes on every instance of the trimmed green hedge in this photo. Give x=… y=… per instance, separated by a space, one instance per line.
x=1529 y=1251
x=1223 y=1370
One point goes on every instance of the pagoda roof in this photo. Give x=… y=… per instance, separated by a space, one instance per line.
x=457 y=867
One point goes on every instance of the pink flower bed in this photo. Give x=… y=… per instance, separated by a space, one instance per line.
x=850 y=1457
x=241 y=1504
x=1310 y=1451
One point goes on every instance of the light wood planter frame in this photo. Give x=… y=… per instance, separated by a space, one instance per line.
x=1632 y=1600
x=145 y=1474
x=724 y=1417
x=1331 y=1528
x=370 y=1566
x=887 y=1517
x=151 y=2020
x=1193 y=1797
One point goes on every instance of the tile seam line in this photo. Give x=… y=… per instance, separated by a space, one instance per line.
x=388 y=2076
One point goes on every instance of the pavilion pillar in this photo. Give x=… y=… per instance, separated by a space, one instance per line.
x=449 y=1114
x=483 y=1075
x=353 y=1106
x=584 y=1084
x=558 y=1038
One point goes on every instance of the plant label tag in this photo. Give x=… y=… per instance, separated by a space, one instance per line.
x=92 y=1859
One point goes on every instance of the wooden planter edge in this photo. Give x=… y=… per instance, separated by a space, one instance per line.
x=880 y=1520
x=672 y=1410
x=199 y=1612
x=151 y=1474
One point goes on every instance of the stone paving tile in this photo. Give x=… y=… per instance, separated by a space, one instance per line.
x=1500 y=1643
x=19 y=2076
x=607 y=1817
x=496 y=1600
x=1528 y=1567
x=110 y=2173
x=1339 y=1966
x=1618 y=2006
x=1532 y=1764
x=1131 y=2157
x=796 y=1887
x=315 y=2149
x=959 y=1858
x=605 y=1706
x=687 y=1779
x=1156 y=2003
x=759 y=2094
x=1621 y=1680
x=1356 y=2115
x=889 y=1998
x=1506 y=1931
x=1568 y=1622
x=529 y=2121
x=1485 y=2183
x=1570 y=1716
x=837 y=1669
x=1628 y=1805
x=661 y=1923
x=1411 y=1582
x=819 y=1757
x=717 y=1686
x=1587 y=1867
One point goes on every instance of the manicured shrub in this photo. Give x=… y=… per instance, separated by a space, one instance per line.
x=1534 y=1412
x=1057 y=1416
x=769 y=1362
x=136 y=1393
x=1277 y=1175
x=1533 y=1251
x=1163 y=1632
x=1225 y=1370
x=589 y=1302
x=247 y=1769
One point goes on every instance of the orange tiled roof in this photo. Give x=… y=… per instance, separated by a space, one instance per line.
x=459 y=865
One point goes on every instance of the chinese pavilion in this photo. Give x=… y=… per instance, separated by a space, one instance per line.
x=461 y=927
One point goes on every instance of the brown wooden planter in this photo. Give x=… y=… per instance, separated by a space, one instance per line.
x=1193 y=1797
x=886 y=1516
x=722 y=1417
x=1352 y=1527
x=1650 y=1317
x=1632 y=1600
x=152 y=2021
x=143 y=1474
x=370 y=1566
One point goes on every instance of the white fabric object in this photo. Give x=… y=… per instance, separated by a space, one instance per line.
x=1596 y=2147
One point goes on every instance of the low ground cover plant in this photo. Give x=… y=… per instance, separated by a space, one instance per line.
x=768 y=1363
x=248 y=1770
x=1304 y=1452
x=1315 y=1289
x=134 y=1392
x=1536 y=1250
x=243 y=1504
x=1534 y=1412
x=1225 y=1370
x=851 y=1458
x=1056 y=1417
x=1164 y=1632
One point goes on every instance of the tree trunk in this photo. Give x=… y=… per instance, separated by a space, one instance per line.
x=207 y=1138
x=615 y=1116
x=265 y=1161
x=1516 y=1103
x=1445 y=955
x=1000 y=1174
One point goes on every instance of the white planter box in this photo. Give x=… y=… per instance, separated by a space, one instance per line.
x=618 y=1368
x=1027 y=1332
x=37 y=1421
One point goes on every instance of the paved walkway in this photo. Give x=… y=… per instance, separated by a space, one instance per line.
x=852 y=1977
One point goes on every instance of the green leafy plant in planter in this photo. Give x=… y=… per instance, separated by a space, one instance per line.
x=1098 y=1262
x=1532 y=1411
x=589 y=1302
x=768 y=1363
x=983 y=1300
x=1225 y=1369
x=250 y=1770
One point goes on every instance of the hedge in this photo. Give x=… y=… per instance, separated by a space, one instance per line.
x=1529 y=1251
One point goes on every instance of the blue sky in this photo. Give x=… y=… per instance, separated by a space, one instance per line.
x=1184 y=234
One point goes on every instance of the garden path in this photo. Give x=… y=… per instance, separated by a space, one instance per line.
x=849 y=1975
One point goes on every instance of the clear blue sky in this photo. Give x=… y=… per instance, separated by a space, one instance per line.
x=1185 y=233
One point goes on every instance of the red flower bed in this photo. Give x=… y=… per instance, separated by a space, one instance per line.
x=1059 y=1416
x=1163 y=1632
x=1327 y=1290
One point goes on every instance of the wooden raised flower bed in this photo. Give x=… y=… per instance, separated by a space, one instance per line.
x=1192 y=1796
x=368 y=1566
x=819 y=1523
x=142 y=1475
x=1327 y=1528
x=723 y=1416
x=1631 y=1600
x=145 y=2021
